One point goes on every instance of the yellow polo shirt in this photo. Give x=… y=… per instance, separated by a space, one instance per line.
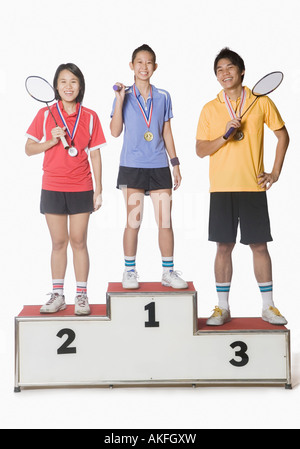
x=236 y=165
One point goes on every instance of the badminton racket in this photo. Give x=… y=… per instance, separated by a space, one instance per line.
x=263 y=87
x=39 y=89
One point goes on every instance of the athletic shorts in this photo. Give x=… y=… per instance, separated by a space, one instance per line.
x=66 y=203
x=247 y=209
x=144 y=178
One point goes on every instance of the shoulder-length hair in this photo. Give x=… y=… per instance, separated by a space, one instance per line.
x=77 y=72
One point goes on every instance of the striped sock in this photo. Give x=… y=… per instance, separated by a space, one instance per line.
x=266 y=290
x=167 y=264
x=58 y=286
x=223 y=294
x=130 y=263
x=81 y=288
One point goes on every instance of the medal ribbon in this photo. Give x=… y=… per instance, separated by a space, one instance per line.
x=147 y=119
x=64 y=122
x=230 y=108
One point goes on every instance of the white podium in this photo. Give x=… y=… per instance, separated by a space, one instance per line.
x=148 y=336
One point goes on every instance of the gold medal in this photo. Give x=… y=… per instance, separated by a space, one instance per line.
x=148 y=136
x=239 y=135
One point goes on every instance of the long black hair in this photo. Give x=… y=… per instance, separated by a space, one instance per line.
x=77 y=72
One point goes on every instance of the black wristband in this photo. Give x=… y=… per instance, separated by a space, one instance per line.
x=174 y=161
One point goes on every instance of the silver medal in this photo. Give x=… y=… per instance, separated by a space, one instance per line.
x=72 y=151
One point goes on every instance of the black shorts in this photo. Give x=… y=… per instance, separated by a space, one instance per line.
x=66 y=203
x=144 y=178
x=248 y=209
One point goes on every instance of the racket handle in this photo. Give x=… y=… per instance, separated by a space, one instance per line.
x=229 y=132
x=117 y=88
x=65 y=143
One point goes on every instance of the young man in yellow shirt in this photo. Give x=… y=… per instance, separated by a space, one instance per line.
x=238 y=181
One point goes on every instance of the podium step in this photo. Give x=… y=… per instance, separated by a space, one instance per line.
x=148 y=336
x=34 y=311
x=100 y=310
x=148 y=287
x=240 y=324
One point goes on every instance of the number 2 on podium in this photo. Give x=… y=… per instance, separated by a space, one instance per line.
x=65 y=348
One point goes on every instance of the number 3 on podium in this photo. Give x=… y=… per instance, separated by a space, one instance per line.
x=241 y=353
x=65 y=348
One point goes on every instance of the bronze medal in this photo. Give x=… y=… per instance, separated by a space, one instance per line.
x=239 y=135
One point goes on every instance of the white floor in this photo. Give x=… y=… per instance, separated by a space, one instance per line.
x=166 y=408
x=150 y=408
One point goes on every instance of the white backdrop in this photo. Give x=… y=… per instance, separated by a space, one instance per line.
x=99 y=36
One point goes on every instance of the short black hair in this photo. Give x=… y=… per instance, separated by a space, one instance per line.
x=77 y=72
x=143 y=47
x=233 y=57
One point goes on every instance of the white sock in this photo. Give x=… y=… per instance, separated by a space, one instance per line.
x=167 y=264
x=81 y=288
x=129 y=263
x=223 y=294
x=58 y=286
x=266 y=290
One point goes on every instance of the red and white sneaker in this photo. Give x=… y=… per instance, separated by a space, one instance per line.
x=82 y=305
x=55 y=304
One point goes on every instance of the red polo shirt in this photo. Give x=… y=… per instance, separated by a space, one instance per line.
x=63 y=173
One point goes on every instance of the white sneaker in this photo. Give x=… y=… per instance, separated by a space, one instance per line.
x=82 y=305
x=130 y=279
x=273 y=316
x=172 y=279
x=219 y=317
x=55 y=303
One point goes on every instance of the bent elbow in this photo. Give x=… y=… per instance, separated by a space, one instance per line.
x=114 y=133
x=199 y=151
x=200 y=154
x=27 y=151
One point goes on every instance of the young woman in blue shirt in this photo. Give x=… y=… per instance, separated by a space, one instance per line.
x=145 y=113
